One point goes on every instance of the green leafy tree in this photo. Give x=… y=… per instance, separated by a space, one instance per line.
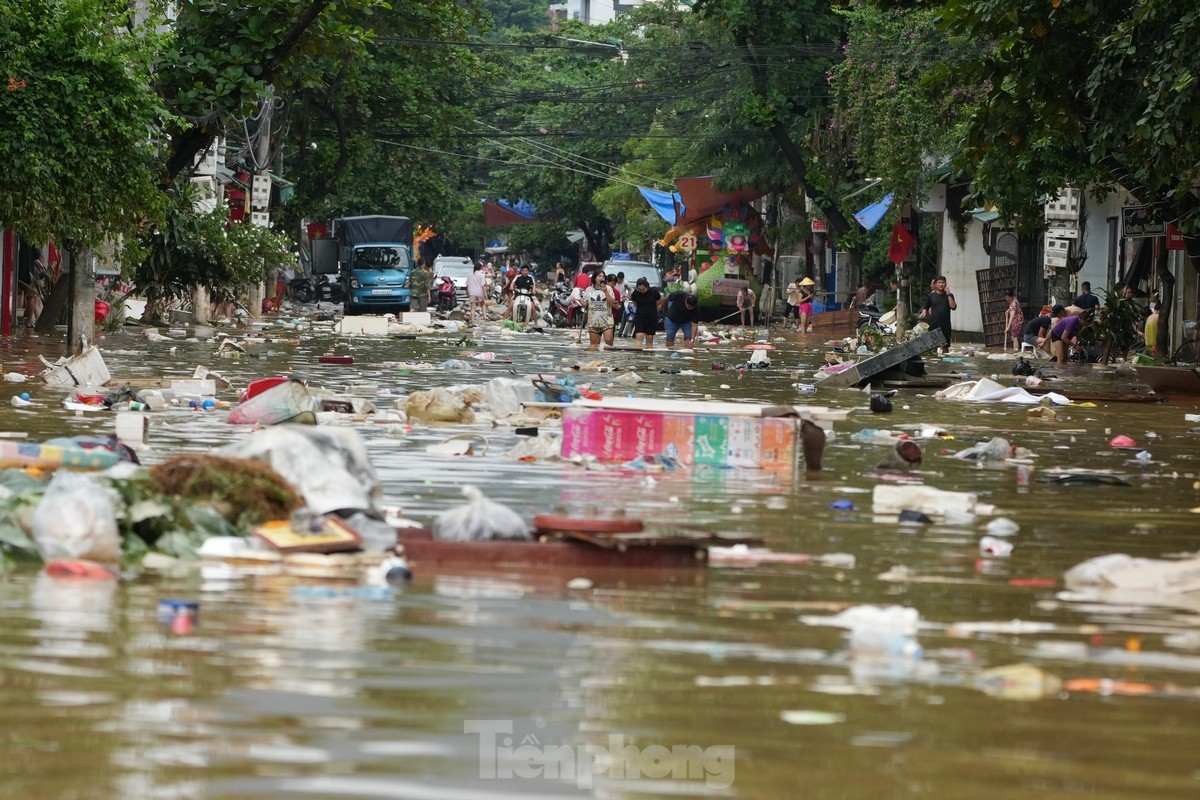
x=558 y=100
x=373 y=130
x=1091 y=94
x=521 y=15
x=787 y=48
x=191 y=249
x=899 y=123
x=77 y=121
x=226 y=57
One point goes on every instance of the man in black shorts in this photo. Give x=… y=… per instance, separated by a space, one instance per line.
x=1037 y=330
x=645 y=316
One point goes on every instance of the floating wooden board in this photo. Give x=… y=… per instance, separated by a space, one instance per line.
x=868 y=367
x=1183 y=382
x=333 y=537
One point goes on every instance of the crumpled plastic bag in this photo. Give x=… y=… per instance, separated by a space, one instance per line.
x=442 y=405
x=877 y=630
x=995 y=449
x=1092 y=573
x=480 y=520
x=287 y=402
x=76 y=519
x=329 y=466
x=546 y=447
x=502 y=397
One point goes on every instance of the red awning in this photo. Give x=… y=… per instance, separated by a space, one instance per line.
x=700 y=200
x=496 y=214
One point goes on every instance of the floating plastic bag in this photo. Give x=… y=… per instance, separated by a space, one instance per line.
x=877 y=630
x=1094 y=572
x=550 y=392
x=480 y=520
x=995 y=449
x=537 y=448
x=76 y=519
x=441 y=405
x=502 y=397
x=329 y=466
x=287 y=402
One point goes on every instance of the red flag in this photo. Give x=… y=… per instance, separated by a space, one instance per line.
x=902 y=244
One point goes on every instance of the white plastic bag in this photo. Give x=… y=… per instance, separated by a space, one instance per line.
x=76 y=519
x=480 y=520
x=329 y=466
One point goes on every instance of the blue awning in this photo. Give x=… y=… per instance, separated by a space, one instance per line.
x=666 y=204
x=869 y=217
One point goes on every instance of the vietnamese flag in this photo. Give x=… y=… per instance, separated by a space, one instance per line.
x=902 y=244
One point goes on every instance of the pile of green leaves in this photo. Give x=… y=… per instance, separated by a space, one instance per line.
x=147 y=520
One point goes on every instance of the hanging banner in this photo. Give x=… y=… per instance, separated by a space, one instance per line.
x=1175 y=238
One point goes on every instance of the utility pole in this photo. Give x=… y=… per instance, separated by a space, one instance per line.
x=260 y=193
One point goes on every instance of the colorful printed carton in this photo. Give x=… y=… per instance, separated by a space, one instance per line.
x=694 y=439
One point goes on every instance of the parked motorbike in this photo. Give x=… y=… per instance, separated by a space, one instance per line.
x=315 y=288
x=869 y=316
x=446 y=302
x=564 y=314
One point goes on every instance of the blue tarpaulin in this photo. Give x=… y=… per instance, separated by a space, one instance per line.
x=667 y=205
x=869 y=217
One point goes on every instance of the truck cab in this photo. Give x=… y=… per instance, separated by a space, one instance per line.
x=374 y=262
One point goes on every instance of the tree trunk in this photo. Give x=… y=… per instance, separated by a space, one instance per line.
x=83 y=310
x=201 y=307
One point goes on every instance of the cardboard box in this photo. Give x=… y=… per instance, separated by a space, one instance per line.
x=365 y=325
x=724 y=435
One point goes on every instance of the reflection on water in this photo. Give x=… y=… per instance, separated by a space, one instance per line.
x=279 y=694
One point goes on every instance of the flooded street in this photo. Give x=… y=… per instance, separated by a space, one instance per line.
x=716 y=683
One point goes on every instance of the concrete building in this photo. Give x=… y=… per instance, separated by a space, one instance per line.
x=593 y=12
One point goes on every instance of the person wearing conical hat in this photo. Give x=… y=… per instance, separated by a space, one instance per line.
x=807 y=293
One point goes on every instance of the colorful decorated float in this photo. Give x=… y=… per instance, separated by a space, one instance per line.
x=714 y=237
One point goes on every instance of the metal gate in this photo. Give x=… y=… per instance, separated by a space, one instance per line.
x=994 y=282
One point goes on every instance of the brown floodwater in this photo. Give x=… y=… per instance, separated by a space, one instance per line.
x=709 y=685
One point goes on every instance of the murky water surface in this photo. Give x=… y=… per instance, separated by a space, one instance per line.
x=709 y=685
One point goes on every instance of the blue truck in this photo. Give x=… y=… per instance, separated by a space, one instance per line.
x=372 y=256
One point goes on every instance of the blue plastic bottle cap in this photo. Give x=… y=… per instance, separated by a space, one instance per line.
x=208 y=404
x=24 y=395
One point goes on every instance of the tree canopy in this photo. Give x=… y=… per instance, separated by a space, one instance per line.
x=78 y=120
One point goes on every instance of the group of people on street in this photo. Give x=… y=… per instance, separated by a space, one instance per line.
x=800 y=296
x=602 y=302
x=1057 y=330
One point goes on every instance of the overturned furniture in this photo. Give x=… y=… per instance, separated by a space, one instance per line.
x=890 y=362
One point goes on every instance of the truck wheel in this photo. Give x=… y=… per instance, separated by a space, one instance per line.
x=350 y=309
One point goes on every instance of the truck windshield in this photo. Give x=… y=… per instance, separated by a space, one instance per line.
x=381 y=258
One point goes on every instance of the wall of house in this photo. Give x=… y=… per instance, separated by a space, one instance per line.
x=959 y=264
x=1096 y=269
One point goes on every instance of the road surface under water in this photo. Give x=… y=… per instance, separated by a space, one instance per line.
x=708 y=685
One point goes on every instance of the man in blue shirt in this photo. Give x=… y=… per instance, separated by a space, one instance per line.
x=1086 y=300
